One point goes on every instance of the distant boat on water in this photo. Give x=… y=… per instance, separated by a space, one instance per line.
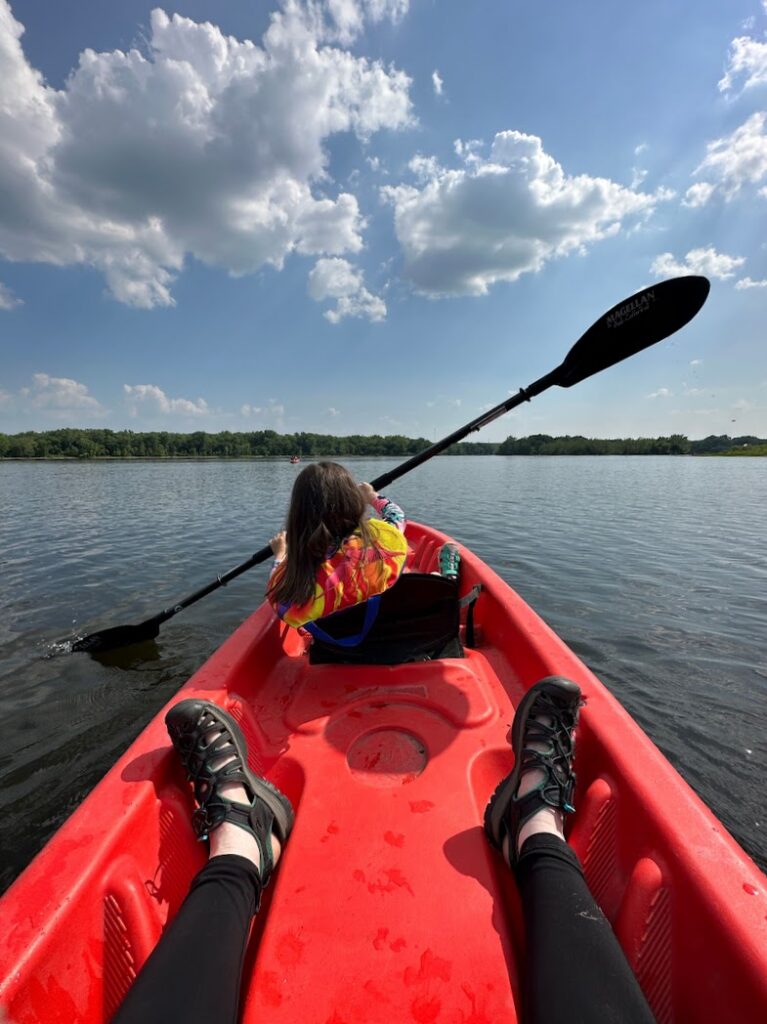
x=294 y=459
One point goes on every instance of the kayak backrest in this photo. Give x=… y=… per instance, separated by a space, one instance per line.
x=418 y=620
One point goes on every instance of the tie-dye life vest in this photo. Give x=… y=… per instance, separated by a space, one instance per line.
x=351 y=574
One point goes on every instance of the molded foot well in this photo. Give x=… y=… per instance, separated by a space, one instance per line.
x=140 y=898
x=644 y=927
x=283 y=772
x=594 y=837
x=180 y=856
x=119 y=956
x=639 y=908
x=424 y=558
x=487 y=769
x=131 y=927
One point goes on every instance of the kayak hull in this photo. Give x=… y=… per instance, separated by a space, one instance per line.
x=388 y=903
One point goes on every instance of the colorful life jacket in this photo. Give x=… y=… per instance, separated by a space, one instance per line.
x=351 y=574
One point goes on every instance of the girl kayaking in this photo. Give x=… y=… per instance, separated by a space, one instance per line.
x=332 y=556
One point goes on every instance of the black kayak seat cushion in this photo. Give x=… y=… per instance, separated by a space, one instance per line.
x=418 y=619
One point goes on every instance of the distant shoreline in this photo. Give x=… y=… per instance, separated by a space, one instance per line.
x=78 y=445
x=352 y=458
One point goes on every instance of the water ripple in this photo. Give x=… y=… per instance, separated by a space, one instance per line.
x=652 y=569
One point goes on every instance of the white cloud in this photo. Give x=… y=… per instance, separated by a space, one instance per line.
x=641 y=148
x=662 y=393
x=333 y=412
x=424 y=167
x=61 y=394
x=437 y=83
x=748 y=58
x=497 y=218
x=149 y=399
x=333 y=278
x=345 y=19
x=337 y=279
x=203 y=144
x=638 y=175
x=696 y=362
x=747 y=282
x=697 y=261
x=7 y=299
x=58 y=398
x=739 y=159
x=393 y=9
x=379 y=10
x=468 y=150
x=699 y=194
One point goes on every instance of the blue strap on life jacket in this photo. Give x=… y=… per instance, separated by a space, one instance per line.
x=371 y=613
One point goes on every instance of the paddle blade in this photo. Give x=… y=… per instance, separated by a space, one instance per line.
x=116 y=636
x=636 y=323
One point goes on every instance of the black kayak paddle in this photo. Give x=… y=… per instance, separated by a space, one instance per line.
x=634 y=324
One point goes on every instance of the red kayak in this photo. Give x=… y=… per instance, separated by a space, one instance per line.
x=388 y=904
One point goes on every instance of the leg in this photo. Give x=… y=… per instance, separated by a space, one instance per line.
x=576 y=970
x=193 y=975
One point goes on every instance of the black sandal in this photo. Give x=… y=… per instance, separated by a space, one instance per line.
x=189 y=723
x=505 y=814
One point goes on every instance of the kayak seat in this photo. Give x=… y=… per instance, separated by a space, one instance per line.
x=418 y=619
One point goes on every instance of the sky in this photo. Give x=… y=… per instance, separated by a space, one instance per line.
x=377 y=216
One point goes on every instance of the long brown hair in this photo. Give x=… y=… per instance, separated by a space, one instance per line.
x=325 y=507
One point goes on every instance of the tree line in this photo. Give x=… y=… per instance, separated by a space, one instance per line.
x=675 y=444
x=120 y=444
x=89 y=444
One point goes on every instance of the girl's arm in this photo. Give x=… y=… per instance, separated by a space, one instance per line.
x=279 y=550
x=387 y=509
x=390 y=512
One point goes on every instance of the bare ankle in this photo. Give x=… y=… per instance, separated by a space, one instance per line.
x=229 y=839
x=546 y=821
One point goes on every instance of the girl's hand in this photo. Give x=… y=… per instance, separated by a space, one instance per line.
x=279 y=546
x=368 y=493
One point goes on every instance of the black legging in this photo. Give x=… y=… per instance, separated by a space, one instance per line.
x=576 y=971
x=193 y=974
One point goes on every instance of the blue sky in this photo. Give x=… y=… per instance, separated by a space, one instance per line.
x=377 y=216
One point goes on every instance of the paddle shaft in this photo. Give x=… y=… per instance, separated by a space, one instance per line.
x=220 y=581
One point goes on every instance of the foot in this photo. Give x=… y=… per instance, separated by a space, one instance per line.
x=449 y=561
x=536 y=795
x=240 y=812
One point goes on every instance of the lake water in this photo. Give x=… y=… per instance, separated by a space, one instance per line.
x=654 y=570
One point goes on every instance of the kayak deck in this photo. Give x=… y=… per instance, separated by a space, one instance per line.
x=388 y=904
